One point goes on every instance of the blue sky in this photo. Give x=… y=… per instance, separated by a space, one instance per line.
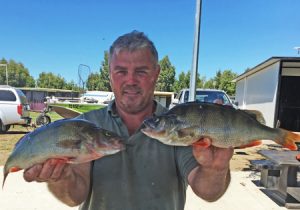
x=58 y=35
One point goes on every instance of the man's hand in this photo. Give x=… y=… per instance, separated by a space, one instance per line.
x=69 y=183
x=51 y=170
x=211 y=178
x=209 y=156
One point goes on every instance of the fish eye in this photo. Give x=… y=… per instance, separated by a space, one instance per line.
x=107 y=134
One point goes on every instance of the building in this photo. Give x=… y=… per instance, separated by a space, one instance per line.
x=36 y=96
x=272 y=87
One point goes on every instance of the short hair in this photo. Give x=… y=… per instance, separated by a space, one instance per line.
x=132 y=41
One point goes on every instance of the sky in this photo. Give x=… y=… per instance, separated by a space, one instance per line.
x=61 y=36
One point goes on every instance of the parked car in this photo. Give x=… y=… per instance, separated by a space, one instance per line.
x=204 y=95
x=14 y=108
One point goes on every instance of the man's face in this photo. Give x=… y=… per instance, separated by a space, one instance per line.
x=133 y=76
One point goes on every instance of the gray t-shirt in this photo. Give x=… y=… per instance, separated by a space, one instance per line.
x=148 y=175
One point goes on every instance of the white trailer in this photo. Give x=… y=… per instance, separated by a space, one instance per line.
x=272 y=87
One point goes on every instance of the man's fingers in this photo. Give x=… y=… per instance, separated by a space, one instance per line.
x=51 y=170
x=32 y=173
x=47 y=170
x=58 y=170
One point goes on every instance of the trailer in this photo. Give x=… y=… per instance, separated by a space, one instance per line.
x=272 y=87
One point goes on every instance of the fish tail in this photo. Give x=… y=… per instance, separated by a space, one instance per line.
x=7 y=171
x=4 y=177
x=289 y=139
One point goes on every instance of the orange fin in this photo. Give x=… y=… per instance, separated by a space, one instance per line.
x=251 y=144
x=201 y=143
x=289 y=140
x=12 y=169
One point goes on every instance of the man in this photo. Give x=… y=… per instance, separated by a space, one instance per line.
x=148 y=174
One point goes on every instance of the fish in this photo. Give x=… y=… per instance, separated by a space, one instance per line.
x=186 y=124
x=73 y=140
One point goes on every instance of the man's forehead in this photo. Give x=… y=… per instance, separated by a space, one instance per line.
x=137 y=56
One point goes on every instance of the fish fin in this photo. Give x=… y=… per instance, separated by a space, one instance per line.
x=93 y=155
x=84 y=159
x=289 y=139
x=186 y=132
x=69 y=144
x=12 y=169
x=201 y=143
x=251 y=144
x=257 y=115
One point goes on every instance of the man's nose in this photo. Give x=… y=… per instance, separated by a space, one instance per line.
x=132 y=78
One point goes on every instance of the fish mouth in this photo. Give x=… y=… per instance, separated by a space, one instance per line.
x=150 y=123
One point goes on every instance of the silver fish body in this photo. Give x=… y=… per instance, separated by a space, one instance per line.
x=187 y=123
x=74 y=140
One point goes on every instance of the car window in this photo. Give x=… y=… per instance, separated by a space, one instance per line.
x=7 y=95
x=211 y=96
x=22 y=96
x=186 y=96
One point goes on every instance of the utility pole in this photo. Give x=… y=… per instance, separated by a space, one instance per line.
x=193 y=78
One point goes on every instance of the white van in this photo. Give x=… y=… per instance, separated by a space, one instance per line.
x=14 y=108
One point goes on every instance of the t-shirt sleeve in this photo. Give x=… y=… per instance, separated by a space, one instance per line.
x=185 y=161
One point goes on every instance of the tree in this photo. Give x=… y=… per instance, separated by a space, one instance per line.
x=49 y=80
x=71 y=86
x=184 y=81
x=226 y=82
x=166 y=78
x=93 y=81
x=222 y=81
x=104 y=83
x=18 y=75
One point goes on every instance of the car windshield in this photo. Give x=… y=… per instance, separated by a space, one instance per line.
x=209 y=96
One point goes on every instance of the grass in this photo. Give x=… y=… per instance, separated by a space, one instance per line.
x=81 y=107
x=9 y=139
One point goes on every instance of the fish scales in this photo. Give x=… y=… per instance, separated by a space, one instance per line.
x=187 y=123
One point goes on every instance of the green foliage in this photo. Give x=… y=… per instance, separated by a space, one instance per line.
x=18 y=75
x=166 y=77
x=71 y=86
x=93 y=81
x=49 y=80
x=104 y=84
x=222 y=81
x=184 y=81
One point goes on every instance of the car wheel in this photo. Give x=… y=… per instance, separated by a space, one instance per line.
x=3 y=128
x=43 y=120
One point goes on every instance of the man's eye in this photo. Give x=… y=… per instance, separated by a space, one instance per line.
x=141 y=72
x=121 y=72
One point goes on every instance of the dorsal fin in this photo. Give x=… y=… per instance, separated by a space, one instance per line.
x=256 y=115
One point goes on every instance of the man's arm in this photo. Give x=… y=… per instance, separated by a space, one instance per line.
x=69 y=183
x=211 y=178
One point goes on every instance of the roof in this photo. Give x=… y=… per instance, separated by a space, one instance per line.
x=204 y=89
x=263 y=65
x=45 y=89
